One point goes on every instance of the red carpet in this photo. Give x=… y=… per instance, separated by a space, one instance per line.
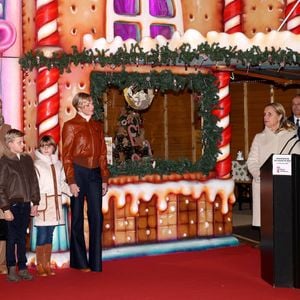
x=226 y=273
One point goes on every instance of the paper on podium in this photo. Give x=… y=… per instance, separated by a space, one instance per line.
x=282 y=164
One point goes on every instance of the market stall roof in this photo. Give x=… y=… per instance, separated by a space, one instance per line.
x=281 y=76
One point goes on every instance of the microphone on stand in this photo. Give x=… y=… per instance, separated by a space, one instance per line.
x=298 y=140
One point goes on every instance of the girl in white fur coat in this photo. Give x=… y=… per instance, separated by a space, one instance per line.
x=53 y=188
x=279 y=136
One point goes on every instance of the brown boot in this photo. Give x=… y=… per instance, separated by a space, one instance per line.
x=47 y=265
x=40 y=260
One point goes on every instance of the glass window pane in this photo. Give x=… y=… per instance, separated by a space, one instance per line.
x=161 y=8
x=162 y=29
x=127 y=30
x=126 y=7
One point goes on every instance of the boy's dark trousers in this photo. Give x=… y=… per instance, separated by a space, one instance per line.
x=16 y=235
x=3 y=234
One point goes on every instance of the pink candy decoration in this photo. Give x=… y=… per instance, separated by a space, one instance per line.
x=7 y=35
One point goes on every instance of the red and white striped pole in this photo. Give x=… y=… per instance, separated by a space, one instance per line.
x=292 y=13
x=47 y=80
x=223 y=165
x=232 y=16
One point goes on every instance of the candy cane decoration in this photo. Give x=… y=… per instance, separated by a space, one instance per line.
x=292 y=13
x=47 y=80
x=232 y=16
x=48 y=99
x=132 y=134
x=46 y=23
x=223 y=165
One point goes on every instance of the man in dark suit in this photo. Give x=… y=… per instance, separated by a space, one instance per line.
x=295 y=118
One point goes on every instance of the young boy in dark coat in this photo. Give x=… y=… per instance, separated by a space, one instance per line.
x=18 y=188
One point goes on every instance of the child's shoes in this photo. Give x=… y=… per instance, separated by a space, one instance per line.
x=25 y=275
x=12 y=275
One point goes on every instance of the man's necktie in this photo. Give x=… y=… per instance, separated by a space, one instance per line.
x=298 y=122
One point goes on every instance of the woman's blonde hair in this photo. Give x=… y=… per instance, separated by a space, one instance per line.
x=47 y=140
x=284 y=123
x=80 y=98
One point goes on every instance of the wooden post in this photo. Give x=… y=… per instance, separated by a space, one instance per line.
x=246 y=120
x=166 y=129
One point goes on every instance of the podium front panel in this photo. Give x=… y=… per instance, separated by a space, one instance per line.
x=280 y=225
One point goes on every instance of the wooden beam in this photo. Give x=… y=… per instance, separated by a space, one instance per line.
x=144 y=69
x=276 y=79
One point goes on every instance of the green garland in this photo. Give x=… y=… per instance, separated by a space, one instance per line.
x=145 y=167
x=202 y=84
x=204 y=54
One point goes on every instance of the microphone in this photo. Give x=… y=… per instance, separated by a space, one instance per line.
x=294 y=146
x=293 y=137
x=298 y=140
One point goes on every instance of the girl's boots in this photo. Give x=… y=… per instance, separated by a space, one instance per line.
x=40 y=260
x=47 y=266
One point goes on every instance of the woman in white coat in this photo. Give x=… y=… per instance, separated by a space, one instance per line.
x=278 y=137
x=51 y=177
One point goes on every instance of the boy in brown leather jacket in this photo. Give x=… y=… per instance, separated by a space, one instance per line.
x=18 y=187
